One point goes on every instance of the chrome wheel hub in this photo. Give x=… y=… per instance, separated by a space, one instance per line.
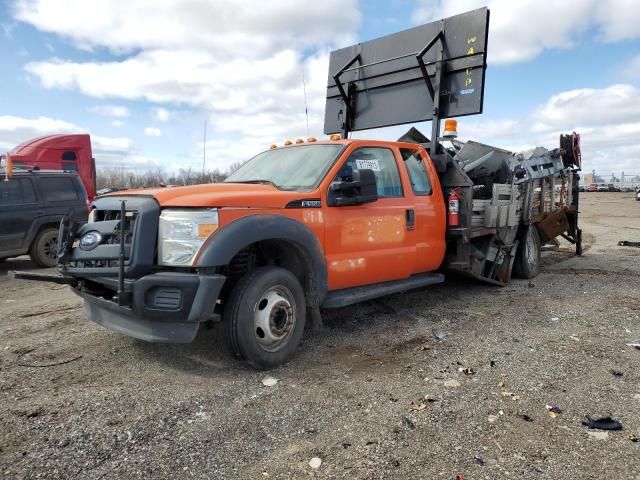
x=274 y=318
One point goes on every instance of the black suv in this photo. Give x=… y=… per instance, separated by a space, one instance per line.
x=32 y=203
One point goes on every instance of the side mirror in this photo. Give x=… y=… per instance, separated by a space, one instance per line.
x=361 y=189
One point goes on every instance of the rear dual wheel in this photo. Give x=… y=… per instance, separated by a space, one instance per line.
x=527 y=261
x=264 y=317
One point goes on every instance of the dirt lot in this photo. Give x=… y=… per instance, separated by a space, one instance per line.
x=379 y=393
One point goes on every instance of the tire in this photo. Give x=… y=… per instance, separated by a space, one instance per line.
x=44 y=248
x=264 y=317
x=527 y=261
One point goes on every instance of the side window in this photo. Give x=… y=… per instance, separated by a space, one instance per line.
x=420 y=182
x=382 y=162
x=69 y=161
x=58 y=189
x=10 y=193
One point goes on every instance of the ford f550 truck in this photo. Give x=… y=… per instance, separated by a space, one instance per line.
x=324 y=224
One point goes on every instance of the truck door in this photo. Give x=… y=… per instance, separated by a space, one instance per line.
x=429 y=209
x=373 y=242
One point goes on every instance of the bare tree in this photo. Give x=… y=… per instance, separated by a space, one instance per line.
x=122 y=178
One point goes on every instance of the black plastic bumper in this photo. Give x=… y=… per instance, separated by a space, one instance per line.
x=165 y=307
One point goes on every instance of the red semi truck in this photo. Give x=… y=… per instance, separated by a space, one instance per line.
x=68 y=152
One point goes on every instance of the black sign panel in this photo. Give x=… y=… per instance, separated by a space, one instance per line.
x=385 y=84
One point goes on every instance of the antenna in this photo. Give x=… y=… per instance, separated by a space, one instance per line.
x=306 y=109
x=204 y=148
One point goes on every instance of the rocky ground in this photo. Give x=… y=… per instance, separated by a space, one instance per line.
x=452 y=380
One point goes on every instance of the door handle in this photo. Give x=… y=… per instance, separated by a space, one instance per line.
x=410 y=216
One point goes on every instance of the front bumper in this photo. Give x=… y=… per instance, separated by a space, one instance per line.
x=165 y=307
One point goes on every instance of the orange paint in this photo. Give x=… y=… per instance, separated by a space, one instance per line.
x=362 y=244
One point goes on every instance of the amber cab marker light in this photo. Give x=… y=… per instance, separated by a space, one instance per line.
x=335 y=137
x=273 y=145
x=299 y=141
x=311 y=139
x=287 y=143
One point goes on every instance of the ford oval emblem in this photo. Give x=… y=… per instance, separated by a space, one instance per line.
x=90 y=240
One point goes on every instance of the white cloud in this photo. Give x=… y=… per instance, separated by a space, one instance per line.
x=110 y=110
x=117 y=123
x=631 y=71
x=226 y=26
x=160 y=114
x=108 y=151
x=241 y=63
x=519 y=31
x=152 y=132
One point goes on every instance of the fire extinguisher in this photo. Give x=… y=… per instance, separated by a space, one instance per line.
x=454 y=208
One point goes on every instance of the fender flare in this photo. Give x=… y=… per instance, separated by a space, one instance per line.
x=224 y=244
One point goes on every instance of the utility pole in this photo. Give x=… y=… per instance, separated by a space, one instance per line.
x=204 y=149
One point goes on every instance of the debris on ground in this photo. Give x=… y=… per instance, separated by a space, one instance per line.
x=467 y=371
x=315 y=463
x=408 y=422
x=479 y=460
x=615 y=373
x=440 y=335
x=525 y=417
x=452 y=383
x=626 y=243
x=598 y=435
x=493 y=418
x=635 y=345
x=634 y=438
x=269 y=381
x=553 y=411
x=603 y=423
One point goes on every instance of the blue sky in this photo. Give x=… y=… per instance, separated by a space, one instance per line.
x=142 y=76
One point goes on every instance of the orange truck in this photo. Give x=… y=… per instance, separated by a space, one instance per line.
x=313 y=224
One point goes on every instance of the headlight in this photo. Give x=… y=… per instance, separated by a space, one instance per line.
x=181 y=234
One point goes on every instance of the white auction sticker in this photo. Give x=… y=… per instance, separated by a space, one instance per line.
x=368 y=164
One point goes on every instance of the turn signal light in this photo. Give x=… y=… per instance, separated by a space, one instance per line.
x=335 y=137
x=287 y=143
x=311 y=139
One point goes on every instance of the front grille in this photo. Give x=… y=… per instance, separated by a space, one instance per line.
x=140 y=226
x=129 y=225
x=111 y=237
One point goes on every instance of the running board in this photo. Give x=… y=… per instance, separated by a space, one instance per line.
x=349 y=296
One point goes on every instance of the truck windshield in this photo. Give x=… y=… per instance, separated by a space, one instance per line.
x=292 y=168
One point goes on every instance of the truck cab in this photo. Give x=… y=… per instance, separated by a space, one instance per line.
x=66 y=152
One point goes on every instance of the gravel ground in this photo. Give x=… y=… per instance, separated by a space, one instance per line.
x=381 y=392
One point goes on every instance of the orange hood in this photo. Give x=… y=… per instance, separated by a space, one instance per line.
x=219 y=195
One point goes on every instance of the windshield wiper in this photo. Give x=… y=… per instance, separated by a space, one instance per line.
x=260 y=181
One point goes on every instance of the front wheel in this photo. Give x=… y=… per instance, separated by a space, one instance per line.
x=527 y=261
x=264 y=317
x=44 y=249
